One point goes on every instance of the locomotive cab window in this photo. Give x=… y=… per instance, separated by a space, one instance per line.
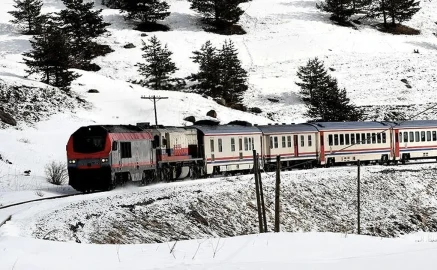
x=114 y=145
x=126 y=149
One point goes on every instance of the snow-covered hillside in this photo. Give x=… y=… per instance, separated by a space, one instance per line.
x=281 y=36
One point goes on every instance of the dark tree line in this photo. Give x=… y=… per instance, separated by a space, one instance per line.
x=323 y=98
x=391 y=11
x=62 y=40
x=219 y=13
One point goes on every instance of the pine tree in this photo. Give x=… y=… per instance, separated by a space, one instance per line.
x=208 y=77
x=233 y=78
x=82 y=25
x=27 y=15
x=402 y=10
x=146 y=11
x=158 y=67
x=50 y=57
x=220 y=73
x=320 y=93
x=341 y=9
x=219 y=11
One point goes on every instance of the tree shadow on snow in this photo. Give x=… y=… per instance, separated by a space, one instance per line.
x=184 y=22
x=301 y=4
x=8 y=29
x=315 y=16
x=15 y=46
x=424 y=45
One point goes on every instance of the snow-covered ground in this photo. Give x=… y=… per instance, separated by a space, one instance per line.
x=282 y=35
x=283 y=251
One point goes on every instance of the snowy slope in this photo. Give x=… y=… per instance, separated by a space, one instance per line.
x=282 y=35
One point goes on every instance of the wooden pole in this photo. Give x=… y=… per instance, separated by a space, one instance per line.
x=261 y=192
x=358 y=198
x=277 y=192
x=258 y=203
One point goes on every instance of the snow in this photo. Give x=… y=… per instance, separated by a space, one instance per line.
x=265 y=251
x=282 y=35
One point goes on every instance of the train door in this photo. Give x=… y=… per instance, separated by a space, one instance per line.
x=212 y=148
x=396 y=144
x=240 y=147
x=296 y=145
x=322 y=148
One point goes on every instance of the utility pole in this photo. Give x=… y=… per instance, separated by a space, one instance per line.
x=277 y=191
x=154 y=98
x=358 y=198
x=258 y=203
x=261 y=192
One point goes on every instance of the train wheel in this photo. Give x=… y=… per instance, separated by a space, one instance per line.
x=144 y=181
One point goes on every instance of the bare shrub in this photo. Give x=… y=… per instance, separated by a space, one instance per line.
x=56 y=172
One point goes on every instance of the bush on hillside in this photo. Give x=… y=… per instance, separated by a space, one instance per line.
x=56 y=172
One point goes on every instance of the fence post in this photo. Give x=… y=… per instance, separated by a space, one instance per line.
x=261 y=192
x=358 y=198
x=277 y=192
x=258 y=203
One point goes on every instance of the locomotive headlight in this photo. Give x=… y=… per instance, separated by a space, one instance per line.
x=72 y=161
x=104 y=160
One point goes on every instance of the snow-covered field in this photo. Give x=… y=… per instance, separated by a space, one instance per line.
x=282 y=35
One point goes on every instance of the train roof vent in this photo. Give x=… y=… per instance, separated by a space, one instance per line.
x=240 y=123
x=143 y=124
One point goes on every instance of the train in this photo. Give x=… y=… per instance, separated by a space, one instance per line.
x=100 y=157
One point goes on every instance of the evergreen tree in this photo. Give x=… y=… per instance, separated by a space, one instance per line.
x=320 y=93
x=146 y=11
x=27 y=15
x=233 y=78
x=402 y=10
x=341 y=9
x=82 y=25
x=208 y=77
x=219 y=11
x=220 y=73
x=159 y=66
x=50 y=57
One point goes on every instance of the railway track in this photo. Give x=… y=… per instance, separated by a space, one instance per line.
x=419 y=162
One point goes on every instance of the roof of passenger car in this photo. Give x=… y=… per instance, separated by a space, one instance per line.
x=227 y=129
x=351 y=125
x=271 y=129
x=120 y=128
x=415 y=123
